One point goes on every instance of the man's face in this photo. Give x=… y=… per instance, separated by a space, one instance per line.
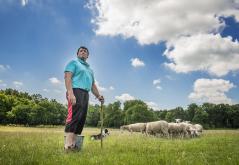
x=83 y=54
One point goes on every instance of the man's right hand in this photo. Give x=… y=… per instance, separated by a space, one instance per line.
x=72 y=98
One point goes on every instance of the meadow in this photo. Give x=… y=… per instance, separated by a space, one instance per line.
x=27 y=145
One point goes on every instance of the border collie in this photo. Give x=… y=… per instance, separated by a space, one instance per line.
x=105 y=133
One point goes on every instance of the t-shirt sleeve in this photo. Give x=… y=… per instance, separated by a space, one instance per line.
x=70 y=67
x=93 y=78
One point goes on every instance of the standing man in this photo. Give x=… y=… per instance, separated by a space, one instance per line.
x=79 y=80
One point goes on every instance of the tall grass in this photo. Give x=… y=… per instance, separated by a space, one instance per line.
x=22 y=145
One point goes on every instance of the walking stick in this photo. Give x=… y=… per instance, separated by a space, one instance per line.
x=101 y=127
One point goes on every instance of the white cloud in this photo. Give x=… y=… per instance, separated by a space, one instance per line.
x=153 y=105
x=135 y=62
x=124 y=97
x=100 y=88
x=55 y=81
x=24 y=2
x=203 y=52
x=159 y=20
x=103 y=89
x=159 y=87
x=112 y=88
x=157 y=84
x=17 y=84
x=211 y=90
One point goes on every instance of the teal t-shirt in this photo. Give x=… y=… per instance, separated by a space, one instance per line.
x=82 y=74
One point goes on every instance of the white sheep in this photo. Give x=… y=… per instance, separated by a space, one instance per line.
x=199 y=129
x=124 y=127
x=157 y=127
x=192 y=132
x=173 y=129
x=137 y=127
x=178 y=120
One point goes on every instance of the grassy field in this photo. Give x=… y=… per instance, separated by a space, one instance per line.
x=23 y=145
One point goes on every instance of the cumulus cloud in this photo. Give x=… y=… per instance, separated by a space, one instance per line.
x=153 y=105
x=157 y=84
x=103 y=89
x=24 y=2
x=158 y=87
x=160 y=20
x=135 y=62
x=112 y=88
x=54 y=81
x=211 y=90
x=100 y=88
x=124 y=97
x=17 y=84
x=203 y=52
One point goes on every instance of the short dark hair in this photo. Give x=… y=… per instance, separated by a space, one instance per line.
x=83 y=47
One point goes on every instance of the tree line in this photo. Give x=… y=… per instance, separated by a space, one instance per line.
x=22 y=108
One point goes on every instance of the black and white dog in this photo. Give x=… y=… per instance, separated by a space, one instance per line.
x=105 y=133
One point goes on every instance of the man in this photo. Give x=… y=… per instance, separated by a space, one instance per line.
x=79 y=80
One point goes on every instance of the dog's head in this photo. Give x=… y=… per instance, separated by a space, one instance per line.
x=106 y=132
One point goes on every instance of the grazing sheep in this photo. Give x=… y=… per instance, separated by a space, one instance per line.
x=137 y=127
x=183 y=129
x=178 y=120
x=124 y=127
x=192 y=132
x=173 y=129
x=157 y=127
x=199 y=129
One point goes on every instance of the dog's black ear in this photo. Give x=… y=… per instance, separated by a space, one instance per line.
x=106 y=131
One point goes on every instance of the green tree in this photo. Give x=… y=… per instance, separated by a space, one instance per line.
x=113 y=115
x=191 y=111
x=93 y=115
x=200 y=117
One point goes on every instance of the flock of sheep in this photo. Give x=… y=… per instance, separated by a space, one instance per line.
x=163 y=128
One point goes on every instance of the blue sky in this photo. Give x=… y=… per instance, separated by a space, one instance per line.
x=165 y=53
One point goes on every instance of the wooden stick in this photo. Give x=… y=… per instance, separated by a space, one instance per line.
x=101 y=128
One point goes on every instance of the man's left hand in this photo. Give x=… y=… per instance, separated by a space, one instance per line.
x=101 y=99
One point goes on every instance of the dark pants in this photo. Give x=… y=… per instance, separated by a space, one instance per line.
x=77 y=113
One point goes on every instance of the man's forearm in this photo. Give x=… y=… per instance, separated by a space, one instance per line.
x=95 y=91
x=68 y=85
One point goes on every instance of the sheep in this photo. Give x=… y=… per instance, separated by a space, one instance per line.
x=173 y=129
x=192 y=130
x=178 y=129
x=188 y=122
x=137 y=127
x=183 y=129
x=178 y=120
x=157 y=127
x=124 y=127
x=199 y=129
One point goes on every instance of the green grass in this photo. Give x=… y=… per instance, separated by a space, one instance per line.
x=25 y=145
